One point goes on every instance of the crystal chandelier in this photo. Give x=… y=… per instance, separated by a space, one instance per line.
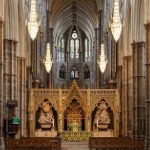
x=102 y=59
x=116 y=25
x=33 y=21
x=48 y=59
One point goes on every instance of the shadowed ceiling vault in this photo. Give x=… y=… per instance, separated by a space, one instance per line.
x=64 y=14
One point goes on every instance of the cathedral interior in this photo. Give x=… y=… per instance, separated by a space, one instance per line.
x=79 y=69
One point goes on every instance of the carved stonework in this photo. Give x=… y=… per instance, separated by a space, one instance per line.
x=74 y=103
x=102 y=118
x=46 y=118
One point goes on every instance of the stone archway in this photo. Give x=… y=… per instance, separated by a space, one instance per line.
x=74 y=117
x=103 y=119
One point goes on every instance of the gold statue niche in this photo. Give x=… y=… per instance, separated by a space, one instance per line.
x=46 y=118
x=101 y=118
x=74 y=116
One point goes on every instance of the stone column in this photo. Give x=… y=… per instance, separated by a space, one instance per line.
x=96 y=74
x=52 y=71
x=117 y=106
x=21 y=73
x=10 y=81
x=1 y=87
x=60 y=116
x=31 y=114
x=147 y=141
x=139 y=89
x=88 y=117
x=119 y=81
x=127 y=96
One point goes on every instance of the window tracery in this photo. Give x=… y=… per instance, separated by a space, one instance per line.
x=74 y=45
x=74 y=74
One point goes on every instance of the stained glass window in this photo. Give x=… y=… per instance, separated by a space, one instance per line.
x=86 y=47
x=77 y=48
x=61 y=49
x=74 y=74
x=62 y=44
x=74 y=45
x=72 y=48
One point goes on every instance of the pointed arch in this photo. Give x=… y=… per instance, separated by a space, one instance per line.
x=86 y=72
x=62 y=72
x=74 y=43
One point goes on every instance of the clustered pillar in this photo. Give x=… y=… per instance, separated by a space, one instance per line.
x=139 y=91
x=10 y=84
x=127 y=96
x=1 y=87
x=21 y=94
x=147 y=137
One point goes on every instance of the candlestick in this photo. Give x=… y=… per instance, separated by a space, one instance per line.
x=53 y=123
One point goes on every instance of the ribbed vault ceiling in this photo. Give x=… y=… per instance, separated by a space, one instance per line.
x=66 y=13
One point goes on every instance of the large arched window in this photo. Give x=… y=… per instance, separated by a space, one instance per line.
x=86 y=48
x=86 y=72
x=62 y=72
x=62 y=46
x=61 y=49
x=74 y=45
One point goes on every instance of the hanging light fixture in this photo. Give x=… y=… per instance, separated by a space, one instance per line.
x=102 y=59
x=33 y=21
x=116 y=25
x=48 y=59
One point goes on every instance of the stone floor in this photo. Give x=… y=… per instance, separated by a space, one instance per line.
x=75 y=145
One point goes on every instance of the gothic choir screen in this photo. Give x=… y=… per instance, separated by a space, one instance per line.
x=76 y=114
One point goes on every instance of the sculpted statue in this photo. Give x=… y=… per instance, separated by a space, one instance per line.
x=102 y=116
x=46 y=118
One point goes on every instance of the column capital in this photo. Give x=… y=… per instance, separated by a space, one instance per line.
x=147 y=100
x=147 y=25
x=127 y=57
x=1 y=100
x=10 y=41
x=96 y=29
x=138 y=44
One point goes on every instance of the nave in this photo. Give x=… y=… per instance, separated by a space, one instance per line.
x=77 y=68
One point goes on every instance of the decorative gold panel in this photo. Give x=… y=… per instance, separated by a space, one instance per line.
x=61 y=99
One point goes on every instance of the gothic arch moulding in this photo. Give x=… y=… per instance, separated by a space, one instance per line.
x=74 y=93
x=36 y=98
x=52 y=100
x=96 y=100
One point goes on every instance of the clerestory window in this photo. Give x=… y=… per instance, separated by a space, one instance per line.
x=74 y=45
